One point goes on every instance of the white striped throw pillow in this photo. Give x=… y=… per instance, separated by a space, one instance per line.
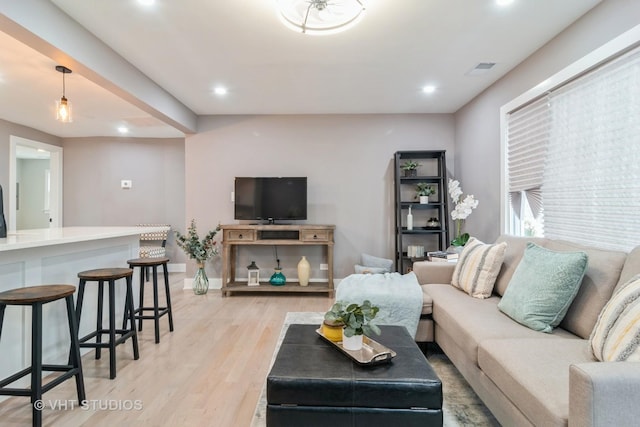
x=616 y=336
x=477 y=267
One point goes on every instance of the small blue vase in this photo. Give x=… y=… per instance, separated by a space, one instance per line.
x=277 y=278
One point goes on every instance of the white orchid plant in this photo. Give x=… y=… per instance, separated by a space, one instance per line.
x=463 y=208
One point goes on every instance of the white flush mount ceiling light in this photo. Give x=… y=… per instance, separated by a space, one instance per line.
x=319 y=17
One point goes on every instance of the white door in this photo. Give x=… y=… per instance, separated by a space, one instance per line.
x=41 y=207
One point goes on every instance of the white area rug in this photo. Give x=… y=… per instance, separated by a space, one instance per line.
x=461 y=406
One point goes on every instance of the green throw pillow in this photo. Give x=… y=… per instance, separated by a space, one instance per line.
x=543 y=287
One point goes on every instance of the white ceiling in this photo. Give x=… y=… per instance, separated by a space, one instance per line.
x=188 y=47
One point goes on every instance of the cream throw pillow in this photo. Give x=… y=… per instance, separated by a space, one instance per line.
x=616 y=336
x=477 y=267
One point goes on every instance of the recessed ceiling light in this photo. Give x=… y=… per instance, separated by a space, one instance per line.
x=123 y=129
x=429 y=89
x=147 y=2
x=220 y=90
x=504 y=2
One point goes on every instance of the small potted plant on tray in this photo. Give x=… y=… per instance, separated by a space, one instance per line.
x=355 y=320
x=423 y=191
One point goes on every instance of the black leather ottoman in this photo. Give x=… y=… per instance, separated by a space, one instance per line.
x=313 y=384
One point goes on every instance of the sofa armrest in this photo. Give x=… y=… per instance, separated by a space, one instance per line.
x=433 y=272
x=604 y=394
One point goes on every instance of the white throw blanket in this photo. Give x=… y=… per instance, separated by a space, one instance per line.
x=398 y=296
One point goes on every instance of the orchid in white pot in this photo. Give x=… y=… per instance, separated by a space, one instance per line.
x=462 y=210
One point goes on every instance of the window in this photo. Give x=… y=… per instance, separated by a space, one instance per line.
x=572 y=158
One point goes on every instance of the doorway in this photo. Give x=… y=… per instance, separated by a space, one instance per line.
x=35 y=184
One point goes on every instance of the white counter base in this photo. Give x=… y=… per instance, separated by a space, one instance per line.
x=56 y=256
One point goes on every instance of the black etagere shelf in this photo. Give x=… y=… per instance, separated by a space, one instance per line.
x=431 y=170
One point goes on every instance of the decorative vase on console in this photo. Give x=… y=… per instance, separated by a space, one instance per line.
x=277 y=278
x=304 y=269
x=201 y=251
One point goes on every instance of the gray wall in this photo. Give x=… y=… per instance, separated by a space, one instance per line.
x=30 y=175
x=94 y=167
x=478 y=123
x=348 y=162
x=6 y=130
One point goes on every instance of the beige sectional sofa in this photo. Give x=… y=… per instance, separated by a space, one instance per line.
x=527 y=377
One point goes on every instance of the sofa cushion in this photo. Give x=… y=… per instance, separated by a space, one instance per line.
x=603 y=271
x=512 y=257
x=470 y=320
x=543 y=286
x=534 y=373
x=477 y=268
x=631 y=267
x=372 y=261
x=361 y=269
x=616 y=336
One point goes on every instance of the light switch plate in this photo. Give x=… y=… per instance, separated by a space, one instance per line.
x=126 y=184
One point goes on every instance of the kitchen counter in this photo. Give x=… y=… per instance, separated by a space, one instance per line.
x=56 y=256
x=25 y=239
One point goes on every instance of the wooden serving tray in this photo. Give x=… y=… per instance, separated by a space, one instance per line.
x=372 y=352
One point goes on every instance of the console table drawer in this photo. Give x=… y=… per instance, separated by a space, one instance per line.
x=314 y=235
x=240 y=235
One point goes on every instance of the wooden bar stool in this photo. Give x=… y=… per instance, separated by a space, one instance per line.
x=101 y=276
x=36 y=297
x=144 y=264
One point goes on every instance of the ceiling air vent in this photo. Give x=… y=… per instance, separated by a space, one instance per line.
x=481 y=68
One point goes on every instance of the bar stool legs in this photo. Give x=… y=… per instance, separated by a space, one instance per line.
x=110 y=276
x=36 y=296
x=153 y=263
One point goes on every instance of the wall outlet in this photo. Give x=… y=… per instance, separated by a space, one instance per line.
x=126 y=184
x=324 y=266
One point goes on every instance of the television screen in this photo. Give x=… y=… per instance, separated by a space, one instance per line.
x=267 y=198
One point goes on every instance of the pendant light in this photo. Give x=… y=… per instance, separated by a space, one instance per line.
x=63 y=106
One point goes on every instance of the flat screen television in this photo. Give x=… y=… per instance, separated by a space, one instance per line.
x=270 y=198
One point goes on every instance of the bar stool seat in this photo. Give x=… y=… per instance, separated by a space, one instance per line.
x=36 y=297
x=158 y=312
x=101 y=276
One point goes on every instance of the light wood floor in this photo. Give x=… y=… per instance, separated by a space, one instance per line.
x=208 y=372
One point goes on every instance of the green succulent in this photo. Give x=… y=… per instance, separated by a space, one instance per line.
x=424 y=189
x=357 y=319
x=409 y=165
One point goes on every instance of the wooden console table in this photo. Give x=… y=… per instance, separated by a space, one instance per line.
x=235 y=235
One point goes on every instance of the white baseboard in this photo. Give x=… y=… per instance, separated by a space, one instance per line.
x=177 y=268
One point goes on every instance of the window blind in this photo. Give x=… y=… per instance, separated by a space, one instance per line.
x=591 y=180
x=528 y=135
x=574 y=155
